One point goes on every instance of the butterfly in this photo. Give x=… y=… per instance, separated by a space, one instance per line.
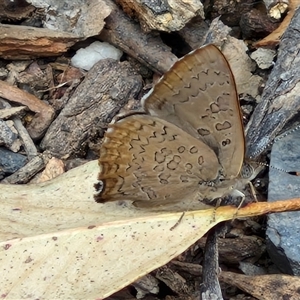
x=189 y=144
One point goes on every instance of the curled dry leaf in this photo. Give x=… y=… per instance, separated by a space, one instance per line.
x=81 y=249
x=273 y=39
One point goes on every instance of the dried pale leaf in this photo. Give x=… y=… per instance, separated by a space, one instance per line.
x=264 y=287
x=59 y=243
x=95 y=261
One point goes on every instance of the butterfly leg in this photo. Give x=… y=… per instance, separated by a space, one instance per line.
x=238 y=194
x=253 y=191
x=218 y=204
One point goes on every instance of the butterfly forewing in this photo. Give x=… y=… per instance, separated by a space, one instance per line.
x=198 y=94
x=147 y=159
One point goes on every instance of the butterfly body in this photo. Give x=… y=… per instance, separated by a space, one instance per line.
x=190 y=145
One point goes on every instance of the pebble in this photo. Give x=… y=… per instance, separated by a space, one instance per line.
x=11 y=162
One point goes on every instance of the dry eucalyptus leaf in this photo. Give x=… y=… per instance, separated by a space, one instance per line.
x=58 y=243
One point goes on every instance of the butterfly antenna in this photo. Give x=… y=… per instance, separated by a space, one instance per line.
x=294 y=173
x=288 y=132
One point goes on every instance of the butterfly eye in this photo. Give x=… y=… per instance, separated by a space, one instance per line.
x=247 y=171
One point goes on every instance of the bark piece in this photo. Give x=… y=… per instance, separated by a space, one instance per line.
x=282 y=234
x=128 y=36
x=264 y=58
x=281 y=96
x=24 y=42
x=242 y=67
x=146 y=285
x=173 y=280
x=194 y=32
x=256 y=24
x=15 y=10
x=275 y=286
x=28 y=144
x=105 y=89
x=231 y=11
x=217 y=33
x=44 y=113
x=234 y=250
x=164 y=15
x=6 y=113
x=36 y=80
x=80 y=17
x=7 y=136
x=67 y=22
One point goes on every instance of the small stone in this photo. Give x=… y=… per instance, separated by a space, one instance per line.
x=85 y=58
x=11 y=162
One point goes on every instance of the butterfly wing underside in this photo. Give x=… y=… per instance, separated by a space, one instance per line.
x=152 y=161
x=198 y=94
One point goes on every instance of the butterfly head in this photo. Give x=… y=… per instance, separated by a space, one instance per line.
x=250 y=169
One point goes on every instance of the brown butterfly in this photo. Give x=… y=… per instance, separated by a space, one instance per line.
x=189 y=145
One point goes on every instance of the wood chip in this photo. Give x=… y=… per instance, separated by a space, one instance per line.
x=128 y=36
x=69 y=23
x=27 y=172
x=105 y=89
x=167 y=16
x=44 y=113
x=275 y=286
x=6 y=113
x=54 y=168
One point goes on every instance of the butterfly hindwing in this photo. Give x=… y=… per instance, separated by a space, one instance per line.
x=145 y=158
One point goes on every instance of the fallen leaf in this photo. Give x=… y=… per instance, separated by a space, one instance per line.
x=57 y=242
